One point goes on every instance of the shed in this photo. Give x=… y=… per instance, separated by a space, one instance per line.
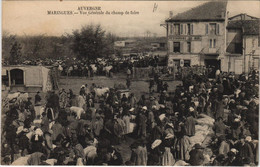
x=28 y=78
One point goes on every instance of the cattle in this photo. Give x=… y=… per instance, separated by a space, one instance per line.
x=100 y=92
x=94 y=68
x=77 y=110
x=107 y=69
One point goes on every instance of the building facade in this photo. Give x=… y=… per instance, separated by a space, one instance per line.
x=205 y=36
x=196 y=38
x=243 y=48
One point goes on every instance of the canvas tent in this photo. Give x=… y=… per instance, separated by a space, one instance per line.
x=28 y=78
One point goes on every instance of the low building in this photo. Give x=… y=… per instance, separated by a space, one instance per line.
x=243 y=45
x=159 y=44
x=27 y=78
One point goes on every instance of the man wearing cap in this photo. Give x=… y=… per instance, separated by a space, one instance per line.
x=196 y=155
x=245 y=150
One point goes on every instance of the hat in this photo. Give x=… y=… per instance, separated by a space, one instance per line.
x=19 y=129
x=236 y=120
x=154 y=107
x=234 y=150
x=191 y=109
x=169 y=136
x=162 y=116
x=82 y=86
x=38 y=92
x=132 y=109
x=144 y=108
x=248 y=138
x=156 y=143
x=198 y=146
x=170 y=124
x=162 y=106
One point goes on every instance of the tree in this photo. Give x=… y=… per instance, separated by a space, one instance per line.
x=89 y=42
x=15 y=54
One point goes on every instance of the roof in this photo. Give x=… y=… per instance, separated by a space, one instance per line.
x=250 y=27
x=241 y=16
x=205 y=12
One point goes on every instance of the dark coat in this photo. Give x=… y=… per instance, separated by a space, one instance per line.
x=196 y=157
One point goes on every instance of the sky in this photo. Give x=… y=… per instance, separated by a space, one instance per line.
x=30 y=17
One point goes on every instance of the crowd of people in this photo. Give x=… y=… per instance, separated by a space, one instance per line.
x=99 y=66
x=85 y=129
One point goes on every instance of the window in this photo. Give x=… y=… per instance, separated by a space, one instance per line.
x=181 y=28
x=191 y=29
x=170 y=28
x=188 y=26
x=212 y=28
x=238 y=48
x=177 y=29
x=212 y=43
x=207 y=28
x=176 y=47
x=188 y=47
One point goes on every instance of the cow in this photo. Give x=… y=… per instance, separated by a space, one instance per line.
x=77 y=110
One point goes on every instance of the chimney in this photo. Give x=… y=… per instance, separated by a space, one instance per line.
x=170 y=14
x=222 y=14
x=243 y=16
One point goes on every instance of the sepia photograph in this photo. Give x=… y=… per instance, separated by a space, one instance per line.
x=130 y=83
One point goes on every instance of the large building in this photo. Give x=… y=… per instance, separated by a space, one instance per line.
x=205 y=36
x=197 y=36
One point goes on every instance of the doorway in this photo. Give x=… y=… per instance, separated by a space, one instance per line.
x=17 y=77
x=212 y=65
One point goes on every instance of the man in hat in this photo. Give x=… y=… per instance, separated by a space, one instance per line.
x=196 y=155
x=245 y=150
x=37 y=99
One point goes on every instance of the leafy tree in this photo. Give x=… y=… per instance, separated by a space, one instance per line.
x=15 y=54
x=89 y=42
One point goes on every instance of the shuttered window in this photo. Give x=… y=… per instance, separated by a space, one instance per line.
x=191 y=29
x=188 y=26
x=217 y=29
x=207 y=29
